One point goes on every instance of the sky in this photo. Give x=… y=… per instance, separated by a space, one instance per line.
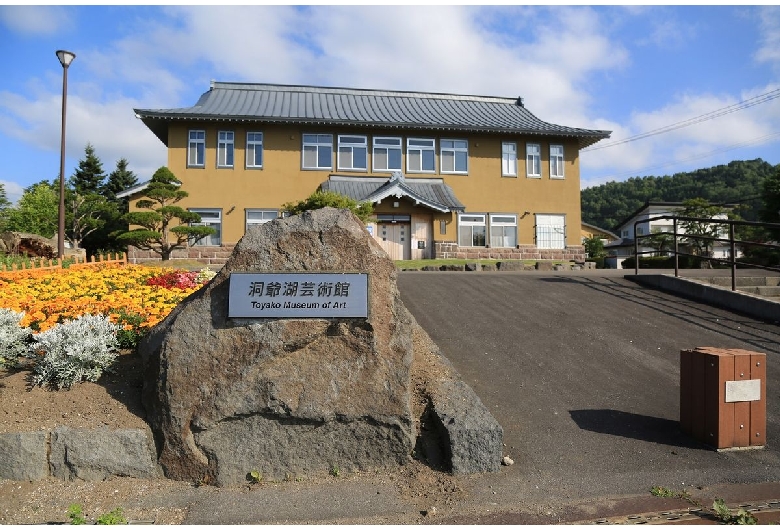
x=704 y=81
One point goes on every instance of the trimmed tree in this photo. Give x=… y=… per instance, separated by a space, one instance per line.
x=321 y=199
x=164 y=227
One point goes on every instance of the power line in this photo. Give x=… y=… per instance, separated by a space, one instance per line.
x=697 y=157
x=757 y=100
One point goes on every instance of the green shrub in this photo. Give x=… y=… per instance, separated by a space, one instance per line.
x=13 y=337
x=74 y=351
x=113 y=517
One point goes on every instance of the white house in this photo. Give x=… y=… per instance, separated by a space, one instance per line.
x=623 y=248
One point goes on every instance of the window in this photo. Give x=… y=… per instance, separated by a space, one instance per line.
x=353 y=152
x=454 y=156
x=503 y=231
x=387 y=154
x=254 y=149
x=420 y=155
x=213 y=218
x=533 y=160
x=225 y=149
x=258 y=217
x=317 y=151
x=556 y=161
x=508 y=159
x=550 y=231
x=471 y=230
x=196 y=151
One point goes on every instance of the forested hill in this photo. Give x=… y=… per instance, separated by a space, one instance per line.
x=738 y=182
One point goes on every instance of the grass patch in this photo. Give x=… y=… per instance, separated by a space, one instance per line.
x=186 y=264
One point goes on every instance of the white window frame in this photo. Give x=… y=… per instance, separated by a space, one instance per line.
x=347 y=146
x=226 y=149
x=322 y=143
x=500 y=222
x=422 y=145
x=214 y=222
x=196 y=147
x=452 y=147
x=508 y=159
x=380 y=150
x=552 y=236
x=467 y=222
x=556 y=161
x=266 y=215
x=254 y=142
x=533 y=161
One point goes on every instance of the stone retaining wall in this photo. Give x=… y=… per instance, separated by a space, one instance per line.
x=448 y=250
x=206 y=255
x=86 y=454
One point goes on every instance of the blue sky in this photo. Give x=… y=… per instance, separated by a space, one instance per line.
x=626 y=69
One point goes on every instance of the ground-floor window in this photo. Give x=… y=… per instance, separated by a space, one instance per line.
x=212 y=218
x=471 y=230
x=550 y=231
x=258 y=217
x=503 y=231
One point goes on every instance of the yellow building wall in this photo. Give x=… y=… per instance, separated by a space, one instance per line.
x=281 y=180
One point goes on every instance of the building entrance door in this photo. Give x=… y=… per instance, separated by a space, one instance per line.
x=394 y=238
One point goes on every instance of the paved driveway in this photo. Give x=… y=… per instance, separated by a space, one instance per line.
x=582 y=371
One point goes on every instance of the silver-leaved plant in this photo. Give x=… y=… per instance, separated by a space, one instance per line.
x=13 y=337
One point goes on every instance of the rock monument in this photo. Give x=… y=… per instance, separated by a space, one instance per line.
x=295 y=358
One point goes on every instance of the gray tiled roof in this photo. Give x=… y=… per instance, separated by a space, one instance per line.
x=268 y=103
x=433 y=193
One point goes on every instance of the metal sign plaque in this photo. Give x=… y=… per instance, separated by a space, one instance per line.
x=747 y=390
x=298 y=295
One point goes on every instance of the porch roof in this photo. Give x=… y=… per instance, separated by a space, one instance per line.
x=431 y=193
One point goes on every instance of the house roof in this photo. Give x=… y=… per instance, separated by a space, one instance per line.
x=672 y=206
x=432 y=193
x=310 y=105
x=601 y=230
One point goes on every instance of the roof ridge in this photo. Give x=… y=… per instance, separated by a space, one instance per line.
x=229 y=85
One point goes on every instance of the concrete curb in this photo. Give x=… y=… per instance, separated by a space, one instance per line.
x=722 y=297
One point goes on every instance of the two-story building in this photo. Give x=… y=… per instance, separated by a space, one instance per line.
x=449 y=175
x=648 y=220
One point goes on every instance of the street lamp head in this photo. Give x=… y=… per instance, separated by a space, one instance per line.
x=65 y=57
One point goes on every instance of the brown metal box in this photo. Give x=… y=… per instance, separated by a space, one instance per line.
x=723 y=397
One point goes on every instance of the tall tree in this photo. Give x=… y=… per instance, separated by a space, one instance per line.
x=699 y=232
x=89 y=176
x=37 y=210
x=118 y=180
x=84 y=216
x=5 y=204
x=158 y=225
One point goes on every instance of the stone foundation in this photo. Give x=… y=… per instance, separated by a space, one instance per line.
x=206 y=255
x=449 y=249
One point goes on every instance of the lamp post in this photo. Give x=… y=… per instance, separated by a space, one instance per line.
x=65 y=58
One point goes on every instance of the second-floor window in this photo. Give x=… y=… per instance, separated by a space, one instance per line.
x=533 y=162
x=421 y=155
x=254 y=149
x=196 y=149
x=225 y=148
x=353 y=152
x=508 y=159
x=317 y=151
x=454 y=156
x=556 y=161
x=387 y=154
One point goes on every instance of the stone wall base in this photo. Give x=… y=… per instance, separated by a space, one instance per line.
x=205 y=255
x=449 y=249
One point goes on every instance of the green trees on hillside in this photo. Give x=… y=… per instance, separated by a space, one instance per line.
x=739 y=182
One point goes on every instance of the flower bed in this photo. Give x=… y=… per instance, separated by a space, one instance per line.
x=133 y=296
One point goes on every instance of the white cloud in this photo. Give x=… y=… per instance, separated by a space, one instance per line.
x=769 y=51
x=35 y=20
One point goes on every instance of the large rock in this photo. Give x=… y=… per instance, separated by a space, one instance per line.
x=23 y=455
x=226 y=396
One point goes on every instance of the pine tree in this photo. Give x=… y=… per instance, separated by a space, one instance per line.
x=163 y=227
x=120 y=179
x=88 y=178
x=5 y=204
